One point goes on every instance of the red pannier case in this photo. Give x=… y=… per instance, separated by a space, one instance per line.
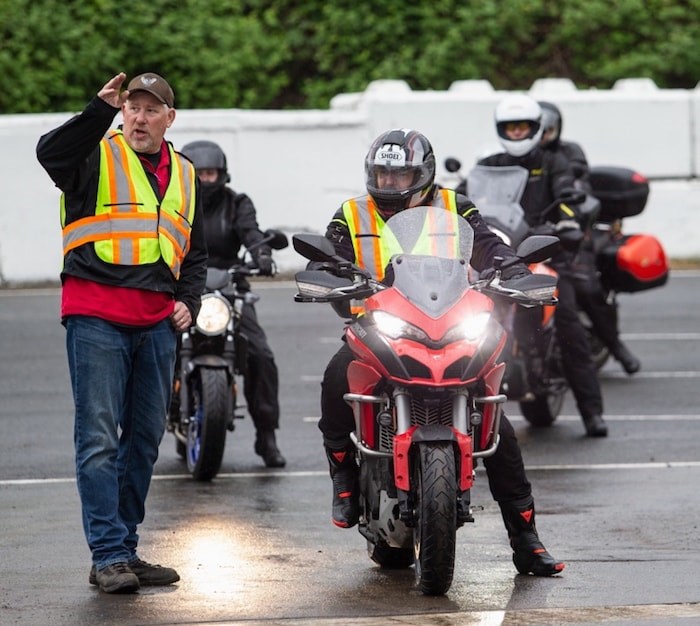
x=622 y=192
x=633 y=263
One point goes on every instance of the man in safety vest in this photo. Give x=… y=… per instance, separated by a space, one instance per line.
x=133 y=272
x=400 y=173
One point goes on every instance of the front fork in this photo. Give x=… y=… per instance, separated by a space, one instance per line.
x=465 y=417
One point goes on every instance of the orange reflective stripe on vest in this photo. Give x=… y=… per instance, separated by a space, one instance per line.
x=365 y=226
x=130 y=225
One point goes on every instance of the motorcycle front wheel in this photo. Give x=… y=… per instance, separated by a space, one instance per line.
x=599 y=351
x=435 y=531
x=206 y=435
x=544 y=409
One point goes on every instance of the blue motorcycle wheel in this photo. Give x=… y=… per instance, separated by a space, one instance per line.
x=206 y=436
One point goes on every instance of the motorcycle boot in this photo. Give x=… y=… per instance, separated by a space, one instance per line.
x=529 y=555
x=266 y=447
x=595 y=425
x=629 y=362
x=346 y=489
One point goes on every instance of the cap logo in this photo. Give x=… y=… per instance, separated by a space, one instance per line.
x=148 y=81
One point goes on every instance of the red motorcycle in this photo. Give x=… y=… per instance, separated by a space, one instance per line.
x=425 y=384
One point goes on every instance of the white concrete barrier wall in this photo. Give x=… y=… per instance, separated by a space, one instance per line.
x=298 y=166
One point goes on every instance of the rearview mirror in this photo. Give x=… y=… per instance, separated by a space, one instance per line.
x=278 y=240
x=314 y=247
x=453 y=165
x=537 y=248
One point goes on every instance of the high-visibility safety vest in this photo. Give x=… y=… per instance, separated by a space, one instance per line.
x=130 y=225
x=374 y=245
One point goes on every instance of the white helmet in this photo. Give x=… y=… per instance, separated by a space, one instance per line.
x=519 y=108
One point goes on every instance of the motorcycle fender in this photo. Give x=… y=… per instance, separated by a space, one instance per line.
x=208 y=360
x=427 y=434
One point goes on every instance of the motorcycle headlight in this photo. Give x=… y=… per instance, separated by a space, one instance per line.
x=214 y=315
x=394 y=327
x=470 y=328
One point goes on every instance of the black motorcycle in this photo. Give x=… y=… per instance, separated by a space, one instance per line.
x=211 y=354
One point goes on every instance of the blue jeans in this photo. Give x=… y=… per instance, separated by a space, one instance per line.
x=121 y=383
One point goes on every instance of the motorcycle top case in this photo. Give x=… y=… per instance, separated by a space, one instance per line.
x=622 y=192
x=633 y=263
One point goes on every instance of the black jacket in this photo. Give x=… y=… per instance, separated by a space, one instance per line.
x=576 y=157
x=230 y=222
x=487 y=245
x=550 y=175
x=70 y=154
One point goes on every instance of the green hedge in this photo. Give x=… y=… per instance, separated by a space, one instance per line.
x=54 y=55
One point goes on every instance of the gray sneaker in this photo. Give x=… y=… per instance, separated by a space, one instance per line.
x=153 y=575
x=115 y=578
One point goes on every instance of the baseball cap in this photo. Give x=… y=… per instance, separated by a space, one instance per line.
x=153 y=84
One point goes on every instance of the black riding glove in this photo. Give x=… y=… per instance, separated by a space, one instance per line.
x=515 y=271
x=518 y=270
x=264 y=263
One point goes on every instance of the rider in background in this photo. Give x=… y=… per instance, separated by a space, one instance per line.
x=589 y=290
x=400 y=173
x=519 y=127
x=230 y=222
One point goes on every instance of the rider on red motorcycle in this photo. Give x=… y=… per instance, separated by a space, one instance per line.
x=400 y=173
x=519 y=127
x=592 y=297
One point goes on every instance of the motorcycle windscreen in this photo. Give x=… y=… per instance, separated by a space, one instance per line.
x=428 y=230
x=429 y=247
x=496 y=192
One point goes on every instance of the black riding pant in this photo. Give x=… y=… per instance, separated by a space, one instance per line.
x=593 y=299
x=261 y=378
x=576 y=350
x=505 y=469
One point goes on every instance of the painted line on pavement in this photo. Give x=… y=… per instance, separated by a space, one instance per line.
x=562 y=616
x=576 y=418
x=24 y=482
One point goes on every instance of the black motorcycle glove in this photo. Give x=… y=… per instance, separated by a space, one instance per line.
x=515 y=271
x=518 y=270
x=264 y=263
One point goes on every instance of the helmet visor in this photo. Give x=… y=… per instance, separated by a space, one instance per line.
x=396 y=178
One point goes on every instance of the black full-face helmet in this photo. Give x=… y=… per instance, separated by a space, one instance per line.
x=551 y=123
x=207 y=155
x=400 y=150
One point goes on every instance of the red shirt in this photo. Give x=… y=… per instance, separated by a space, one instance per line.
x=123 y=305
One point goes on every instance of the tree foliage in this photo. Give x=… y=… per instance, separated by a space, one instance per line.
x=300 y=53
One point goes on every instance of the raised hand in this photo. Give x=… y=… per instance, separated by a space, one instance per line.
x=110 y=93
